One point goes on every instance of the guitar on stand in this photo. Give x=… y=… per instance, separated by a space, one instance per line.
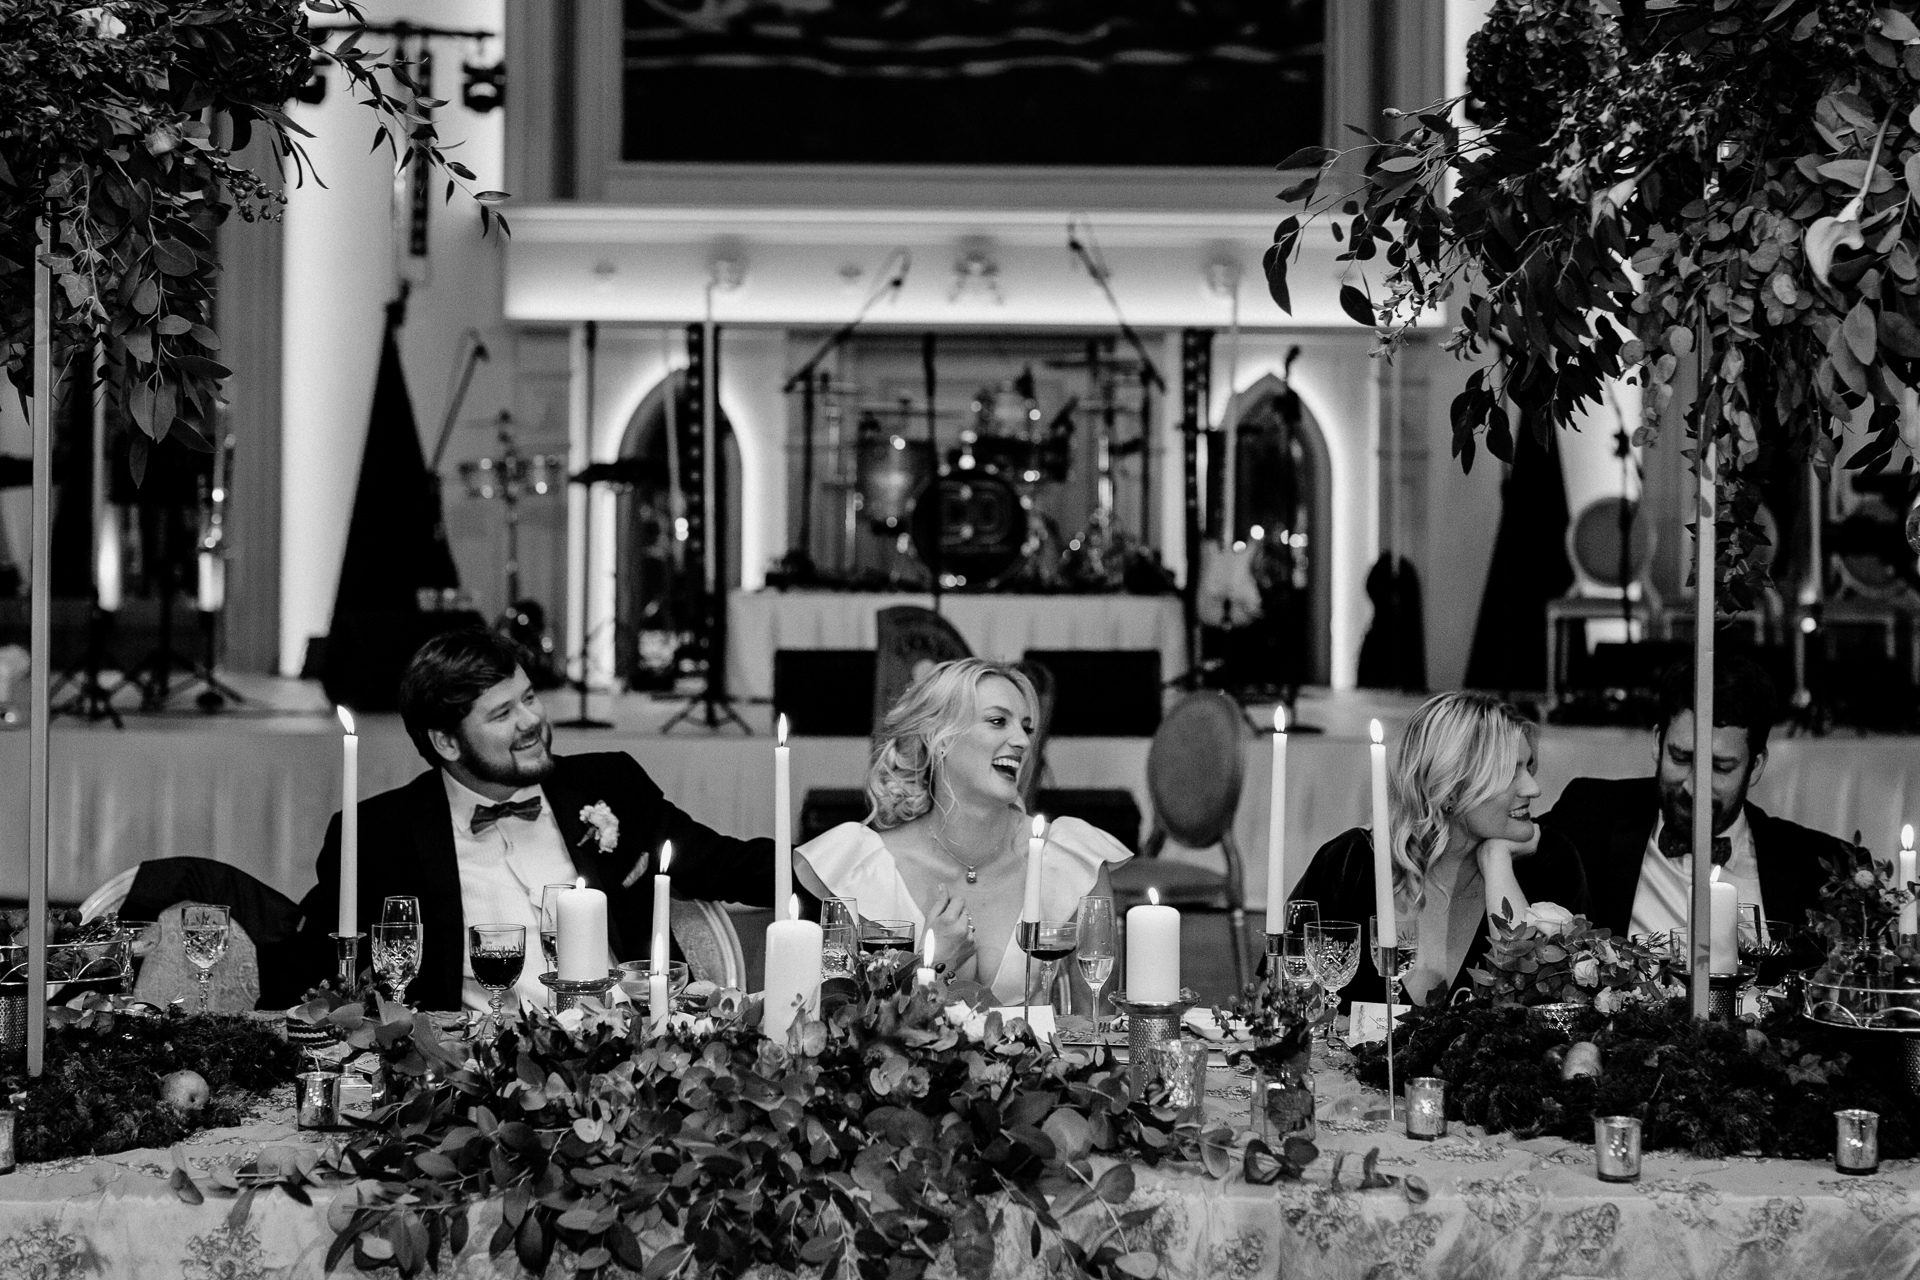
x=1228 y=596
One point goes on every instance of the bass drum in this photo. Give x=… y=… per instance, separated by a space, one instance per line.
x=977 y=524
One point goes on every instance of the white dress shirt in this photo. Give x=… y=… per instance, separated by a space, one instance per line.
x=502 y=870
x=1664 y=899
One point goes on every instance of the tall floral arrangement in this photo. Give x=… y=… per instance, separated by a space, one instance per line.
x=119 y=126
x=1647 y=190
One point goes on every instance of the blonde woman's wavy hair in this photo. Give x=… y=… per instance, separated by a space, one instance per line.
x=1460 y=750
x=918 y=732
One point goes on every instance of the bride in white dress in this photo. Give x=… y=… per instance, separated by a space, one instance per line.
x=945 y=845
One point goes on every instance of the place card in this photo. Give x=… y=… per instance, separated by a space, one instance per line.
x=1367 y=1021
x=1039 y=1017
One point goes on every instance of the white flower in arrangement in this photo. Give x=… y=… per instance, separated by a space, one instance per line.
x=1549 y=918
x=1864 y=878
x=971 y=1021
x=1586 y=971
x=1607 y=1001
x=96 y=21
x=606 y=827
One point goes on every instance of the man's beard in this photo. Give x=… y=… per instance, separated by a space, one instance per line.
x=514 y=770
x=1676 y=807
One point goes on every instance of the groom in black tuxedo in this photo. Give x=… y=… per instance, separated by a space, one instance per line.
x=499 y=815
x=1635 y=834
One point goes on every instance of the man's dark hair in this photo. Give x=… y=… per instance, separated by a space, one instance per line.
x=447 y=676
x=1743 y=697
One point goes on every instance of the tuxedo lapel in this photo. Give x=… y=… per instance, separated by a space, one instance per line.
x=567 y=791
x=443 y=919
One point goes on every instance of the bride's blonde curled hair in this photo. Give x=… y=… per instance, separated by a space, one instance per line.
x=915 y=736
x=1460 y=750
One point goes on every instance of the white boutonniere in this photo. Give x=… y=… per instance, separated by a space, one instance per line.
x=606 y=827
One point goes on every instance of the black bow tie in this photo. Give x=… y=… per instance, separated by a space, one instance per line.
x=487 y=814
x=1677 y=844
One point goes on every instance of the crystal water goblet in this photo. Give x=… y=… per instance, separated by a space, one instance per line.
x=206 y=929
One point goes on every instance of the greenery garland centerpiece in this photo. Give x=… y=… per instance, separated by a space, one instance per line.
x=899 y=1127
x=1564 y=966
x=1871 y=975
x=116 y=1080
x=1641 y=187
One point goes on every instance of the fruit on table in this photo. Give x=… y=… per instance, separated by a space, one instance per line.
x=1583 y=1059
x=185 y=1090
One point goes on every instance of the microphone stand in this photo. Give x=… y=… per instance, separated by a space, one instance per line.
x=797 y=565
x=1149 y=372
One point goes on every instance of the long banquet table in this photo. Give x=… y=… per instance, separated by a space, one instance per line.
x=1499 y=1207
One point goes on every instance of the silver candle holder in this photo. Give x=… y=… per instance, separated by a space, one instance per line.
x=1616 y=1148
x=1149 y=1025
x=569 y=992
x=346 y=955
x=1723 y=996
x=1426 y=1108
x=313 y=1099
x=7 y=1119
x=1856 y=1142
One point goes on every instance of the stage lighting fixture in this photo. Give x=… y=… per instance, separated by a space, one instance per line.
x=485 y=87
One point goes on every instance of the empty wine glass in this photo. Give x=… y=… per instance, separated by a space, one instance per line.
x=550 y=924
x=1095 y=950
x=400 y=908
x=1047 y=943
x=1290 y=964
x=1395 y=962
x=206 y=929
x=839 y=937
x=1333 y=954
x=396 y=956
x=497 y=952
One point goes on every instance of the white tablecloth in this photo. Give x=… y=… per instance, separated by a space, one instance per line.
x=994 y=626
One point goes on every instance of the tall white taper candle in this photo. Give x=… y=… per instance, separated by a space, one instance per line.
x=662 y=906
x=347 y=920
x=782 y=822
x=1036 y=846
x=1277 y=826
x=1382 y=838
x=1906 y=870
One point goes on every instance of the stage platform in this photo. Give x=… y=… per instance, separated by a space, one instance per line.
x=255 y=787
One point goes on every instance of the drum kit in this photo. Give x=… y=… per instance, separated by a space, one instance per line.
x=979 y=510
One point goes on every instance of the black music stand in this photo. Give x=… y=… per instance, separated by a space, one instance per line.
x=90 y=697
x=624 y=472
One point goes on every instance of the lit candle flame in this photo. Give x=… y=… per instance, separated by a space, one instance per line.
x=1039 y=826
x=1715 y=877
x=1374 y=731
x=780 y=734
x=579 y=882
x=1906 y=836
x=666 y=855
x=928 y=962
x=1280 y=718
x=1153 y=896
x=346 y=719
x=793 y=907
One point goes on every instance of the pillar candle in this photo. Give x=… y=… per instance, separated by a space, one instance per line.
x=662 y=910
x=1906 y=871
x=1030 y=907
x=581 y=921
x=926 y=976
x=782 y=821
x=1277 y=826
x=1153 y=953
x=793 y=972
x=106 y=565
x=347 y=922
x=1382 y=839
x=1724 y=939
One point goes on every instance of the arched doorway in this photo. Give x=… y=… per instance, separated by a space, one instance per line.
x=656 y=585
x=1283 y=499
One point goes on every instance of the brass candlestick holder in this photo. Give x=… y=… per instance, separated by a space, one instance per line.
x=1148 y=1025
x=569 y=992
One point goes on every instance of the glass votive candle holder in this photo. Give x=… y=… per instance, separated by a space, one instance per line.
x=313 y=1099
x=1616 y=1148
x=1181 y=1067
x=1856 y=1141
x=6 y=1140
x=1426 y=1108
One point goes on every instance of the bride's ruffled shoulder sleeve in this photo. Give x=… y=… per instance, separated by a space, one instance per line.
x=1076 y=850
x=852 y=861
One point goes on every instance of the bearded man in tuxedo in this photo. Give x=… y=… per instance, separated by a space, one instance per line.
x=1635 y=835
x=498 y=816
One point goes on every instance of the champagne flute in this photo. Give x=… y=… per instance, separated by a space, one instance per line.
x=396 y=957
x=550 y=924
x=1096 y=948
x=497 y=952
x=1047 y=943
x=1333 y=955
x=206 y=929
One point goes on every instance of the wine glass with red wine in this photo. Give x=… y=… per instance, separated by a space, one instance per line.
x=497 y=952
x=1047 y=943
